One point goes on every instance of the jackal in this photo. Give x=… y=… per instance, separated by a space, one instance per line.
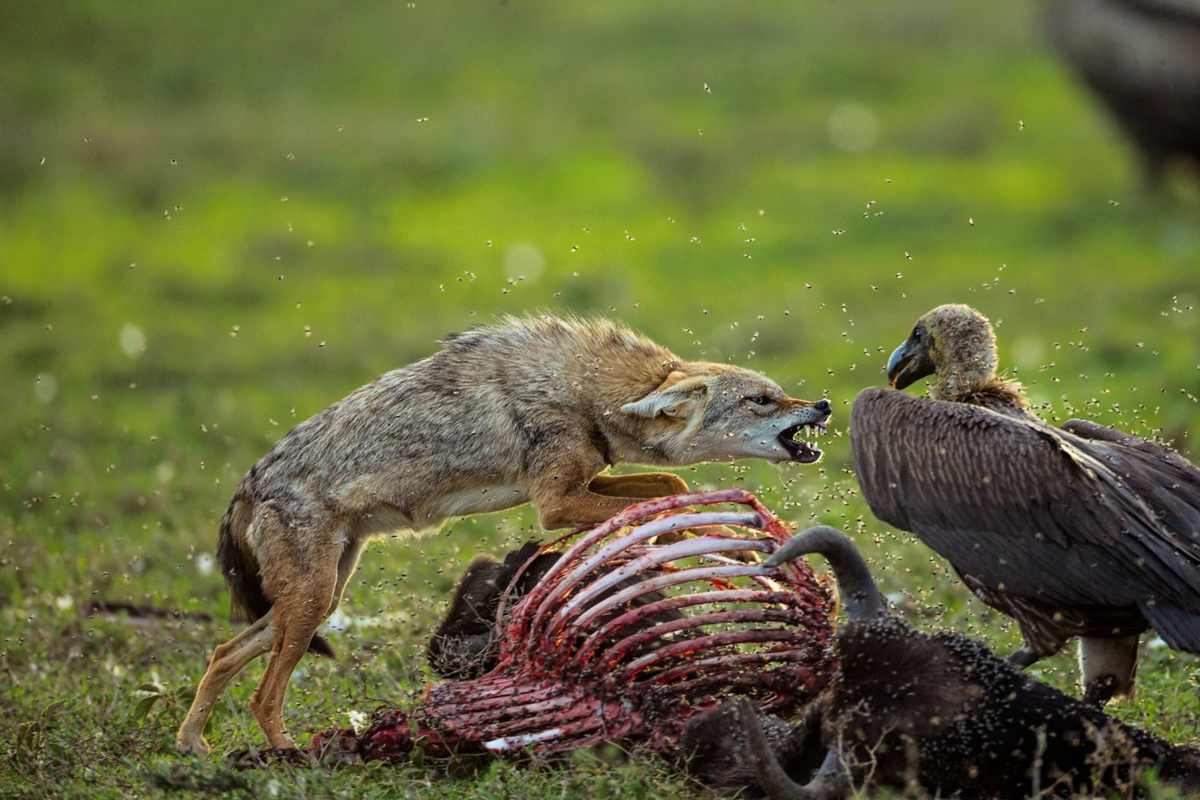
x=526 y=410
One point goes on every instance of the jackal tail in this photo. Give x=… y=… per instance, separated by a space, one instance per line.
x=241 y=570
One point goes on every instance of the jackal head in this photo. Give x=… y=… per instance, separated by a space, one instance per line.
x=716 y=412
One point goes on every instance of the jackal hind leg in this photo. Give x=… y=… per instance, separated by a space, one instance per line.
x=347 y=564
x=227 y=661
x=306 y=591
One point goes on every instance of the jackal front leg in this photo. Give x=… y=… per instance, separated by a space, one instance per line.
x=564 y=503
x=568 y=490
x=643 y=486
x=639 y=486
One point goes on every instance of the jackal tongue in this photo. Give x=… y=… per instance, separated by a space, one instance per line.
x=799 y=450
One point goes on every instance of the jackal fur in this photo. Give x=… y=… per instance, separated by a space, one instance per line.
x=525 y=410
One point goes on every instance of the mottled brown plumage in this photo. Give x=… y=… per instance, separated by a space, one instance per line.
x=1141 y=58
x=1073 y=531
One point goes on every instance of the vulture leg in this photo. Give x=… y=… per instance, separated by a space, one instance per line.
x=1024 y=658
x=831 y=781
x=1042 y=634
x=1154 y=166
x=1108 y=667
x=1042 y=640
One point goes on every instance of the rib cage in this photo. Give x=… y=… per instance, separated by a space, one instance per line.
x=585 y=659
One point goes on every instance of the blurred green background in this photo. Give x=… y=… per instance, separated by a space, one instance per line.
x=216 y=219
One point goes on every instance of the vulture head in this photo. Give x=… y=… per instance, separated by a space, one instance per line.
x=955 y=344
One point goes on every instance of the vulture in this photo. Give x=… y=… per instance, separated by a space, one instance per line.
x=1142 y=60
x=1073 y=531
x=929 y=715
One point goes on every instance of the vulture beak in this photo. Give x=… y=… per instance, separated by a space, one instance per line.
x=909 y=363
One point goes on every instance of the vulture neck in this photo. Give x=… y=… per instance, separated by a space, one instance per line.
x=992 y=391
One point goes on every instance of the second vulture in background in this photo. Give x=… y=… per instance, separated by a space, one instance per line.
x=1142 y=60
x=1073 y=531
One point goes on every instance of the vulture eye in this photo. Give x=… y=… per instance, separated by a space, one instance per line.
x=760 y=400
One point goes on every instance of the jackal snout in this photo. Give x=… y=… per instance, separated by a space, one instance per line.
x=717 y=412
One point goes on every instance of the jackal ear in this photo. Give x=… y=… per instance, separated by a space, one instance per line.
x=676 y=396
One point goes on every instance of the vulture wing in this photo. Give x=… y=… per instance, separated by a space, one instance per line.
x=1082 y=516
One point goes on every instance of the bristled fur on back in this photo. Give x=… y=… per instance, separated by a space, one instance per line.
x=534 y=330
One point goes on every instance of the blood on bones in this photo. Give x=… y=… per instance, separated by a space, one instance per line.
x=624 y=639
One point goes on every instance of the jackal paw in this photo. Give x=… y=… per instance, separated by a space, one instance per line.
x=188 y=745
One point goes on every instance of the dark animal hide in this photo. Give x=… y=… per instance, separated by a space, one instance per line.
x=465 y=644
x=936 y=714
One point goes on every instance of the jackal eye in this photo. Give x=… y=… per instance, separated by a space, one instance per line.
x=760 y=400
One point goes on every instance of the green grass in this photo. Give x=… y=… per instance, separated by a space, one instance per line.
x=215 y=220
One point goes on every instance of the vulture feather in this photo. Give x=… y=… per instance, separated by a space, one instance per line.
x=1073 y=531
x=1142 y=60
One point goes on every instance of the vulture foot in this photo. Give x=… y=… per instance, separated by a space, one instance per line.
x=1024 y=658
x=1098 y=692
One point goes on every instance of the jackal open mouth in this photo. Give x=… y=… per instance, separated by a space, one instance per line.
x=798 y=449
